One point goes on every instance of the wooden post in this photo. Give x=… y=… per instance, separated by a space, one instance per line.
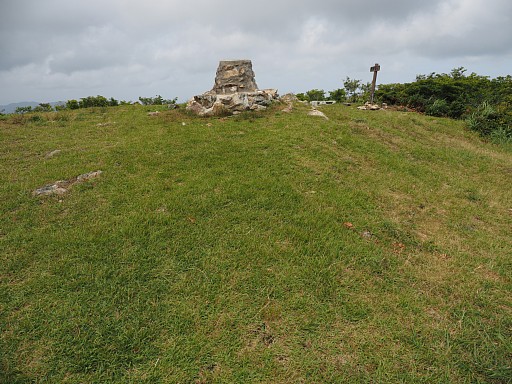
x=374 y=69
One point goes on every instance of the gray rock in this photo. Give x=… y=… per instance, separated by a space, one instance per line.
x=234 y=76
x=51 y=189
x=62 y=186
x=218 y=105
x=88 y=176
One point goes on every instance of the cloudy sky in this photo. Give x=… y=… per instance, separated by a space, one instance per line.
x=63 y=49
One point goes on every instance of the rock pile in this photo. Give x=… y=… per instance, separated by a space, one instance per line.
x=234 y=91
x=369 y=107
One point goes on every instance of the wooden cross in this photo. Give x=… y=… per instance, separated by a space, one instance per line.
x=374 y=69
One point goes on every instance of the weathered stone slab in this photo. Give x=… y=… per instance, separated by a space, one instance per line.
x=60 y=187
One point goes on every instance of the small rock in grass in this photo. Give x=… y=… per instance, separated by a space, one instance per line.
x=62 y=186
x=88 y=176
x=51 y=189
x=53 y=153
x=317 y=113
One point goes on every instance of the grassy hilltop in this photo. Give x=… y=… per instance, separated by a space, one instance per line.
x=266 y=248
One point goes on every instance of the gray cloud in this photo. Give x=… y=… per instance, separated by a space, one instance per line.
x=64 y=49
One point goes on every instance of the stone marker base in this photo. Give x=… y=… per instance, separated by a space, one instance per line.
x=209 y=104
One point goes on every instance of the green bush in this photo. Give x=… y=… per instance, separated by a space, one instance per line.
x=72 y=104
x=93 y=101
x=302 y=96
x=113 y=102
x=391 y=94
x=338 y=95
x=484 y=120
x=352 y=86
x=438 y=107
x=501 y=135
x=36 y=118
x=157 y=100
x=43 y=107
x=316 y=95
x=23 y=110
x=459 y=94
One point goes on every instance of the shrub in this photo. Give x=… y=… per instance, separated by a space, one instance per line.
x=302 y=96
x=457 y=108
x=316 y=95
x=72 y=104
x=93 y=101
x=338 y=95
x=352 y=86
x=157 y=100
x=484 y=120
x=438 y=107
x=460 y=93
x=416 y=101
x=23 y=110
x=501 y=135
x=36 y=119
x=391 y=94
x=43 y=107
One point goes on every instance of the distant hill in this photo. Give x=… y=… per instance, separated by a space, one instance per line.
x=10 y=108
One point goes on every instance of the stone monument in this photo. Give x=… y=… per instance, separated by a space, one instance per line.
x=234 y=91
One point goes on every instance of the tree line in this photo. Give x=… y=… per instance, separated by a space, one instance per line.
x=353 y=90
x=95 y=101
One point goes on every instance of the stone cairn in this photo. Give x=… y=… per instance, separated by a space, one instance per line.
x=234 y=91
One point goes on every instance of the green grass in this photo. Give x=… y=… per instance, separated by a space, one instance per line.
x=219 y=250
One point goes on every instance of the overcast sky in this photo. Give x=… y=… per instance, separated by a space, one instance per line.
x=67 y=49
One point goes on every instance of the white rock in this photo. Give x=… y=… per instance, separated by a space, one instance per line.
x=317 y=113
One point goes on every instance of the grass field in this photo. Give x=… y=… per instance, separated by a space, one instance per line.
x=266 y=248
